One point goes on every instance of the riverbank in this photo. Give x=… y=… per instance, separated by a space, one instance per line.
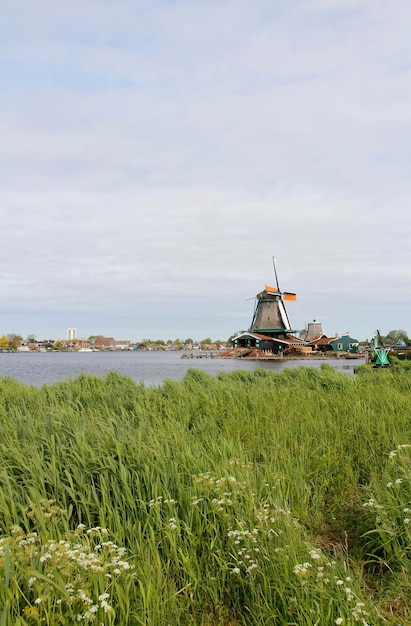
x=254 y=354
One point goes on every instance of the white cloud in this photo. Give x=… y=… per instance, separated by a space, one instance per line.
x=164 y=152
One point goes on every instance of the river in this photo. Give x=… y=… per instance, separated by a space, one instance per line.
x=150 y=368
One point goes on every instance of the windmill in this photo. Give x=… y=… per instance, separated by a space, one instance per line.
x=270 y=315
x=380 y=351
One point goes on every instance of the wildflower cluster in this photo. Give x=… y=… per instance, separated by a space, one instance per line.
x=321 y=571
x=232 y=499
x=244 y=550
x=159 y=501
x=163 y=507
x=401 y=446
x=393 y=506
x=319 y=568
x=74 y=576
x=270 y=513
x=249 y=547
x=227 y=490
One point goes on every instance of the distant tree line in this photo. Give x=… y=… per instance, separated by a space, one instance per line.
x=13 y=341
x=394 y=336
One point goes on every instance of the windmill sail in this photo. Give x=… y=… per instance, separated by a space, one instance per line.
x=284 y=316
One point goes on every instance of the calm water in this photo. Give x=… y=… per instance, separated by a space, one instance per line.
x=150 y=368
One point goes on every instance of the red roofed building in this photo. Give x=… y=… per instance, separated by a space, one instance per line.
x=105 y=343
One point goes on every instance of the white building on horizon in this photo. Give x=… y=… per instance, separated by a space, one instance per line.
x=71 y=334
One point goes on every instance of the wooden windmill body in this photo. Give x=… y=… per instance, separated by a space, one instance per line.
x=270 y=314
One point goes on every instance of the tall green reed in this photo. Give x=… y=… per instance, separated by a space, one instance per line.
x=238 y=497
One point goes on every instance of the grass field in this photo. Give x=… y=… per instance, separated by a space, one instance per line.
x=251 y=498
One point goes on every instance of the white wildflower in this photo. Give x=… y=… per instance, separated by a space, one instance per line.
x=251 y=567
x=314 y=554
x=105 y=606
x=104 y=596
x=301 y=569
x=89 y=614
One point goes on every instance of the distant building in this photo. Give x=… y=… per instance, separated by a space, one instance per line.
x=267 y=343
x=343 y=343
x=313 y=330
x=71 y=334
x=105 y=343
x=321 y=343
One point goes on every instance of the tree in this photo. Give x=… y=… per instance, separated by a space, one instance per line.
x=14 y=340
x=4 y=343
x=395 y=335
x=92 y=338
x=60 y=346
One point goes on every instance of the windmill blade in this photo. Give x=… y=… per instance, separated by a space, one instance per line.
x=275 y=274
x=283 y=314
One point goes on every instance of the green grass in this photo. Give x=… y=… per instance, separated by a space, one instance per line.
x=251 y=498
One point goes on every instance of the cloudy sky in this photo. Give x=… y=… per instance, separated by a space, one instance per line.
x=156 y=154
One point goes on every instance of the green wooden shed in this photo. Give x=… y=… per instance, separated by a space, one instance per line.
x=343 y=343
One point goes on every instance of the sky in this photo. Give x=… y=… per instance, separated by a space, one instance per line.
x=155 y=155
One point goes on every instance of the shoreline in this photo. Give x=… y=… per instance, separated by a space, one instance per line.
x=314 y=357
